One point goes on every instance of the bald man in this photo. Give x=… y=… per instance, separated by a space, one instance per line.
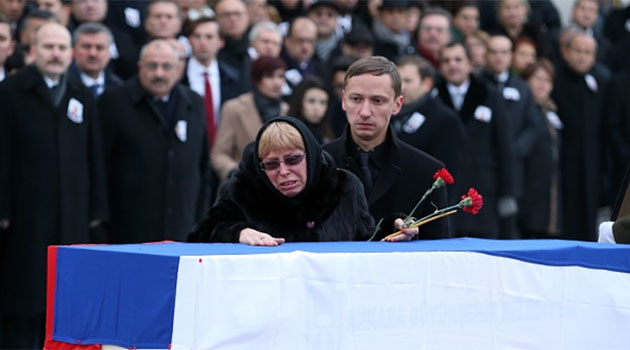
x=51 y=179
x=156 y=151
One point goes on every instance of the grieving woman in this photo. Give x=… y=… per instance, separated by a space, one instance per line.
x=287 y=189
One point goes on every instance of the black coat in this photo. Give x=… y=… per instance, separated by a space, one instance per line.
x=521 y=115
x=579 y=108
x=617 y=126
x=540 y=204
x=331 y=207
x=158 y=183
x=52 y=181
x=487 y=164
x=406 y=175
x=231 y=86
x=111 y=79
x=433 y=128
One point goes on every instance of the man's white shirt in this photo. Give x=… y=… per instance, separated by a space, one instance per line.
x=197 y=82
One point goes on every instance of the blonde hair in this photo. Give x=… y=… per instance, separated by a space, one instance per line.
x=279 y=135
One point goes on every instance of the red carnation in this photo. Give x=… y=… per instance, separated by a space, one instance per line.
x=472 y=201
x=445 y=175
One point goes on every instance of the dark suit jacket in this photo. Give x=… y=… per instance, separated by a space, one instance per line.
x=51 y=181
x=521 y=114
x=231 y=87
x=433 y=128
x=487 y=164
x=157 y=179
x=111 y=79
x=404 y=178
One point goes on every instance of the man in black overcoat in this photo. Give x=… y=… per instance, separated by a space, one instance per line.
x=578 y=91
x=52 y=185
x=487 y=162
x=394 y=174
x=156 y=152
x=424 y=121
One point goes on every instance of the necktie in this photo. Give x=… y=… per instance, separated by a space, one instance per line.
x=458 y=100
x=364 y=159
x=209 y=109
x=94 y=88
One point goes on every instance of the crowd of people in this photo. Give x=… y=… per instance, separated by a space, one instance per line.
x=137 y=121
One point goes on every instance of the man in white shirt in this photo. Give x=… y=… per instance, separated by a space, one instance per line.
x=91 y=57
x=6 y=44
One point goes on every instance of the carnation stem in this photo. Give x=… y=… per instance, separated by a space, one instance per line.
x=424 y=196
x=431 y=217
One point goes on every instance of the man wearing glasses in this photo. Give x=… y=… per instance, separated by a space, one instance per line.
x=156 y=151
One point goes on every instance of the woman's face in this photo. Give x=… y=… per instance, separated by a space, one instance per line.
x=477 y=51
x=524 y=55
x=541 y=85
x=270 y=85
x=314 y=105
x=286 y=169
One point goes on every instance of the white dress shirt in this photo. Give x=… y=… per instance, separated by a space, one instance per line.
x=458 y=93
x=89 y=81
x=197 y=82
x=2 y=74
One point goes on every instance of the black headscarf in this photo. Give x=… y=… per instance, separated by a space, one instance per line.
x=256 y=196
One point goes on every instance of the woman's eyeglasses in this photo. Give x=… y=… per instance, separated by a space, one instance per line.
x=289 y=161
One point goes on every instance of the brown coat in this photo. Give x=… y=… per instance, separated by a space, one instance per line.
x=239 y=125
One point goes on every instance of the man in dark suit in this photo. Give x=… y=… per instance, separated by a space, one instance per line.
x=91 y=57
x=518 y=101
x=52 y=185
x=488 y=156
x=424 y=121
x=156 y=151
x=394 y=174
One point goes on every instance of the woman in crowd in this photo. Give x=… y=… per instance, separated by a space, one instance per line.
x=524 y=54
x=242 y=116
x=288 y=189
x=477 y=42
x=539 y=207
x=309 y=103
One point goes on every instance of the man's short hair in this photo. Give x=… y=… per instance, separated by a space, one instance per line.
x=425 y=68
x=179 y=9
x=375 y=65
x=432 y=11
x=457 y=43
x=39 y=14
x=268 y=25
x=91 y=28
x=199 y=21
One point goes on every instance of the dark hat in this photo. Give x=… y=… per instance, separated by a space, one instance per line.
x=621 y=230
x=394 y=4
x=322 y=3
x=359 y=34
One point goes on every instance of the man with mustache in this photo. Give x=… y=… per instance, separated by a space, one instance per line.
x=434 y=33
x=156 y=151
x=52 y=185
x=91 y=57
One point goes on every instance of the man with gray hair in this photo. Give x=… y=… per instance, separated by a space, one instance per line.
x=91 y=57
x=265 y=39
x=156 y=151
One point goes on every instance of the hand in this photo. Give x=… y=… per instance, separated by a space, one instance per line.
x=406 y=233
x=253 y=237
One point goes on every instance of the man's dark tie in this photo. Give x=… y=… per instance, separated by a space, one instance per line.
x=94 y=88
x=364 y=159
x=209 y=109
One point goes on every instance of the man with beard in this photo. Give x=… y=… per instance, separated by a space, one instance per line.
x=156 y=151
x=91 y=57
x=52 y=185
